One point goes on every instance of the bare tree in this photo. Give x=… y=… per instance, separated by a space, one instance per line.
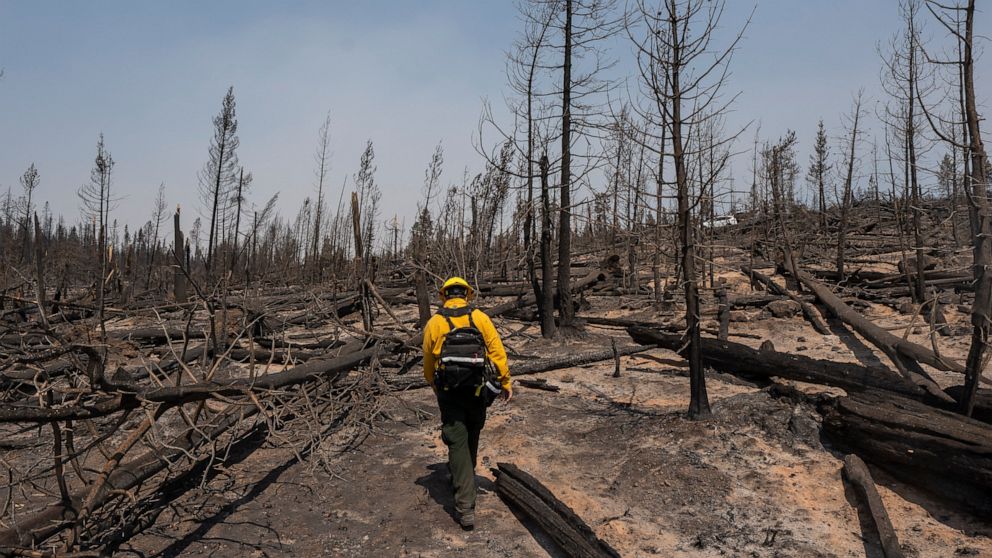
x=584 y=24
x=546 y=302
x=96 y=198
x=846 y=196
x=158 y=215
x=901 y=79
x=949 y=16
x=423 y=231
x=819 y=166
x=29 y=183
x=368 y=196
x=525 y=63
x=219 y=174
x=683 y=76
x=322 y=158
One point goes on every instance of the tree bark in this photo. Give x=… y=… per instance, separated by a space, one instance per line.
x=699 y=406
x=566 y=313
x=546 y=303
x=982 y=251
x=534 y=500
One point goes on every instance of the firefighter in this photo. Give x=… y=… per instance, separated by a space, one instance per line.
x=465 y=363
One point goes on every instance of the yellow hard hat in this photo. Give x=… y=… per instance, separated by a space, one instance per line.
x=457 y=282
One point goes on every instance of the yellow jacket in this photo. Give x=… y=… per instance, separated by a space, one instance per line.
x=437 y=328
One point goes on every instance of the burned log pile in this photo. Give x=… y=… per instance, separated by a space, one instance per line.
x=940 y=452
x=119 y=426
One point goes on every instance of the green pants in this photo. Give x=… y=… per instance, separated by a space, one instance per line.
x=462 y=417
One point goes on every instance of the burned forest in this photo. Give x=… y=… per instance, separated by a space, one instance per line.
x=725 y=338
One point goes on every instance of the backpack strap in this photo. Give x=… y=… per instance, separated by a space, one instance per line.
x=448 y=313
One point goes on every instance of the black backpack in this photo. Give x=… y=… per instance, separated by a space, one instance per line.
x=463 y=359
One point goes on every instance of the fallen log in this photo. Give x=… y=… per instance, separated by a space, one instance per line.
x=276 y=343
x=857 y=276
x=525 y=493
x=905 y=354
x=671 y=327
x=856 y=473
x=809 y=312
x=753 y=301
x=578 y=286
x=541 y=384
x=899 y=279
x=944 y=453
x=742 y=360
x=503 y=289
x=157 y=335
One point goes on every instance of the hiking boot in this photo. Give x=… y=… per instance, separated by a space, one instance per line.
x=467 y=520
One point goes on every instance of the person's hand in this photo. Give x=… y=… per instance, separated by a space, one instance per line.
x=506 y=394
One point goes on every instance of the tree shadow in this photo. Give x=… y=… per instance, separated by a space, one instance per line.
x=199 y=534
x=204 y=471
x=540 y=537
x=964 y=515
x=865 y=355
x=869 y=533
x=438 y=484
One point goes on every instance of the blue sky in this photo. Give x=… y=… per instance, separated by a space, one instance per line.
x=150 y=76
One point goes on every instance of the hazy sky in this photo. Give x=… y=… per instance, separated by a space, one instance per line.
x=150 y=77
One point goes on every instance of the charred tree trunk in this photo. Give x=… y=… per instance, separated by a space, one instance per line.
x=546 y=303
x=533 y=499
x=982 y=306
x=360 y=266
x=699 y=405
x=566 y=313
x=39 y=265
x=423 y=298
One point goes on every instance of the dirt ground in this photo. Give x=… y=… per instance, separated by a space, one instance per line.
x=755 y=480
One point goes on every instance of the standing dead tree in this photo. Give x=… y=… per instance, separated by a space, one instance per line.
x=847 y=194
x=902 y=79
x=819 y=167
x=180 y=270
x=584 y=23
x=421 y=234
x=219 y=175
x=321 y=156
x=29 y=183
x=216 y=181
x=683 y=77
x=95 y=197
x=525 y=63
x=158 y=215
x=977 y=190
